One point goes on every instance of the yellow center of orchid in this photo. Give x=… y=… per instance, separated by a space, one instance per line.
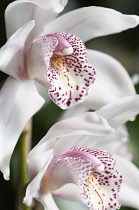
x=89 y=181
x=58 y=62
x=96 y=192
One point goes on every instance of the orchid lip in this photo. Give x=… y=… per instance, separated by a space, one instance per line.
x=63 y=63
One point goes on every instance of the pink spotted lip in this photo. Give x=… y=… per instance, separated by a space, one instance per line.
x=61 y=60
x=106 y=185
x=70 y=75
x=92 y=170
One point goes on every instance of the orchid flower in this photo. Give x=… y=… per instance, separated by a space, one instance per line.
x=91 y=170
x=98 y=23
x=54 y=166
x=37 y=50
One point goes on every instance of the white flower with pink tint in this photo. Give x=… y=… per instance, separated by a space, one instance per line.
x=48 y=50
x=90 y=171
x=63 y=60
x=70 y=162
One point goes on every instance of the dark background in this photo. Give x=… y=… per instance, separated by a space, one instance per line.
x=123 y=46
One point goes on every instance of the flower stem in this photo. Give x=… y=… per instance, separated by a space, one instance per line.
x=38 y=206
x=24 y=147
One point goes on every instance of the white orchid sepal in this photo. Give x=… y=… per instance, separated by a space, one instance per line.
x=28 y=10
x=98 y=21
x=16 y=111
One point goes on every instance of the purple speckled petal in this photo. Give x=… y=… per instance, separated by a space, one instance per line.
x=70 y=75
x=101 y=190
x=61 y=59
x=83 y=166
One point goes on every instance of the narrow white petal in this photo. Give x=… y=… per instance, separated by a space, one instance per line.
x=62 y=136
x=130 y=189
x=33 y=188
x=39 y=54
x=121 y=111
x=39 y=10
x=19 y=101
x=12 y=54
x=48 y=202
x=112 y=81
x=96 y=21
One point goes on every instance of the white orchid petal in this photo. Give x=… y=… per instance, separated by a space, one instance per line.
x=48 y=202
x=39 y=54
x=73 y=111
x=129 y=196
x=41 y=11
x=112 y=81
x=121 y=111
x=19 y=101
x=33 y=188
x=64 y=131
x=96 y=21
x=130 y=188
x=42 y=91
x=35 y=161
x=54 y=5
x=12 y=53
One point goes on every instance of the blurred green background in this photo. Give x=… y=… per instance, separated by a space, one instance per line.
x=123 y=46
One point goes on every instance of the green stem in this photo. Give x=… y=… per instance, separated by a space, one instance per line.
x=38 y=206
x=25 y=145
